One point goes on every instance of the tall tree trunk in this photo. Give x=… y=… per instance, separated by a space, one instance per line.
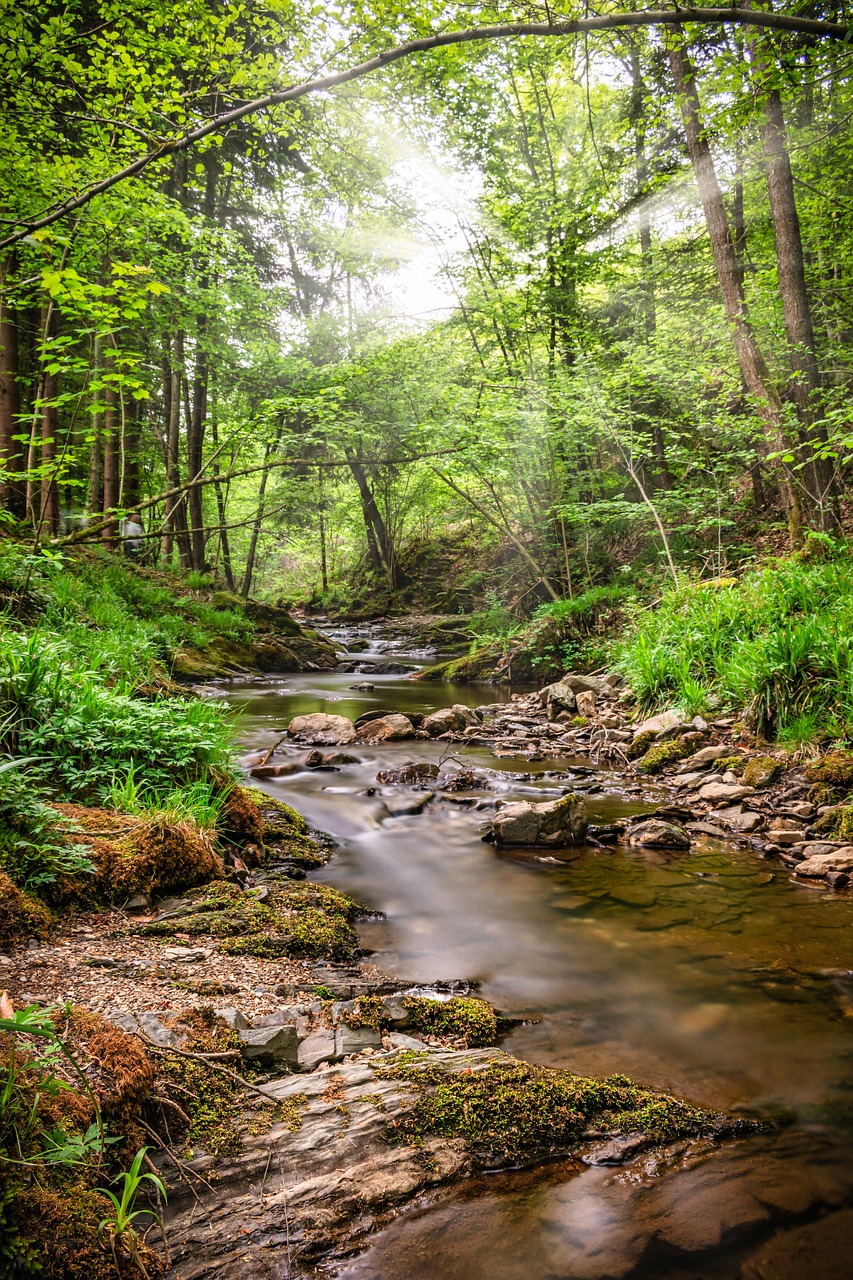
x=796 y=308
x=221 y=508
x=175 y=517
x=378 y=543
x=13 y=494
x=112 y=461
x=753 y=366
x=249 y=572
x=48 y=518
x=198 y=415
x=641 y=175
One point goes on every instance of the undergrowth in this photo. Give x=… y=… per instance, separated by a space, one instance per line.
x=776 y=643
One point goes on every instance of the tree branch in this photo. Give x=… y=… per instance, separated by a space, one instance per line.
x=498 y=31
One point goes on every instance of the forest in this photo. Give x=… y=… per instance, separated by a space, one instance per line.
x=485 y=370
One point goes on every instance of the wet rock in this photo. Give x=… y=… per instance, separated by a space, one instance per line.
x=314 y=760
x=364 y=687
x=706 y=829
x=391 y=728
x=817 y=866
x=274 y=770
x=658 y=834
x=151 y=1026
x=277 y=1043
x=412 y=774
x=716 y=791
x=404 y=807
x=338 y=758
x=139 y=902
x=820 y=1249
x=617 y=1150
x=837 y=879
x=449 y=720
x=687 y=779
x=560 y=697
x=553 y=823
x=319 y=729
x=367 y=716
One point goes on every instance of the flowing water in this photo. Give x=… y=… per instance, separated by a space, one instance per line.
x=710 y=974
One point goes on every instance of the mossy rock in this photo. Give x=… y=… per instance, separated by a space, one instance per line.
x=459 y=1016
x=472 y=668
x=641 y=744
x=310 y=921
x=510 y=1111
x=21 y=916
x=728 y=764
x=837 y=824
x=835 y=769
x=761 y=772
x=285 y=832
x=657 y=758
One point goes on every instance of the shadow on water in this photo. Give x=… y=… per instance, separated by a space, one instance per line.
x=710 y=974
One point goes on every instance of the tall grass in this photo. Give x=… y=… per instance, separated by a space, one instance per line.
x=778 y=645
x=200 y=802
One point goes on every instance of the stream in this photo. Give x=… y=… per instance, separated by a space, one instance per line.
x=710 y=974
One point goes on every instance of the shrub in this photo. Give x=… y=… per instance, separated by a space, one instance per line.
x=34 y=848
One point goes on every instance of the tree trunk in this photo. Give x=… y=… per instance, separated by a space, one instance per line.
x=641 y=174
x=753 y=366
x=175 y=518
x=378 y=543
x=112 y=460
x=796 y=308
x=248 y=574
x=48 y=519
x=221 y=511
x=13 y=494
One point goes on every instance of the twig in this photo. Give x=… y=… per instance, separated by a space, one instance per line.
x=271 y=751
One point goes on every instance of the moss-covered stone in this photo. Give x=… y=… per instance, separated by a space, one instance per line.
x=728 y=764
x=471 y=668
x=285 y=832
x=835 y=769
x=837 y=824
x=761 y=771
x=511 y=1111
x=459 y=1016
x=658 y=757
x=641 y=744
x=21 y=916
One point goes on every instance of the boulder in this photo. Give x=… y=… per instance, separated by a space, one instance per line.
x=707 y=755
x=786 y=831
x=761 y=771
x=717 y=791
x=316 y=1048
x=277 y=1043
x=387 y=729
x=274 y=770
x=657 y=834
x=353 y=1039
x=236 y=1020
x=553 y=823
x=659 y=723
x=449 y=720
x=560 y=697
x=819 y=865
x=319 y=729
x=411 y=774
x=585 y=703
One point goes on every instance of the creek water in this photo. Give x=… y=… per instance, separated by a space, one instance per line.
x=711 y=974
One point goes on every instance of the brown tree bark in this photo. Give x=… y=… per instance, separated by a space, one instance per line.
x=248 y=574
x=753 y=366
x=112 y=461
x=379 y=546
x=13 y=493
x=175 y=516
x=796 y=307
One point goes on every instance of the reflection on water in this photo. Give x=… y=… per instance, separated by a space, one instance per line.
x=711 y=974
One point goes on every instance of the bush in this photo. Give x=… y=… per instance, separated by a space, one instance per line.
x=34 y=849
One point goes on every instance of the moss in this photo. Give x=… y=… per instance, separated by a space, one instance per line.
x=242 y=824
x=641 y=744
x=835 y=768
x=310 y=921
x=21 y=916
x=460 y=1016
x=513 y=1111
x=287 y=1112
x=60 y=1226
x=727 y=764
x=837 y=824
x=209 y=1099
x=285 y=832
x=473 y=667
x=761 y=771
x=657 y=758
x=367 y=1012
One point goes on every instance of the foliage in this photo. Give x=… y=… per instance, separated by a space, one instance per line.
x=776 y=642
x=34 y=850
x=200 y=803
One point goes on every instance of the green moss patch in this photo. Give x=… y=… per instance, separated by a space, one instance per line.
x=512 y=1111
x=837 y=824
x=761 y=771
x=657 y=758
x=835 y=769
x=641 y=744
x=460 y=1016
x=285 y=832
x=21 y=916
x=312 y=921
x=209 y=1099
